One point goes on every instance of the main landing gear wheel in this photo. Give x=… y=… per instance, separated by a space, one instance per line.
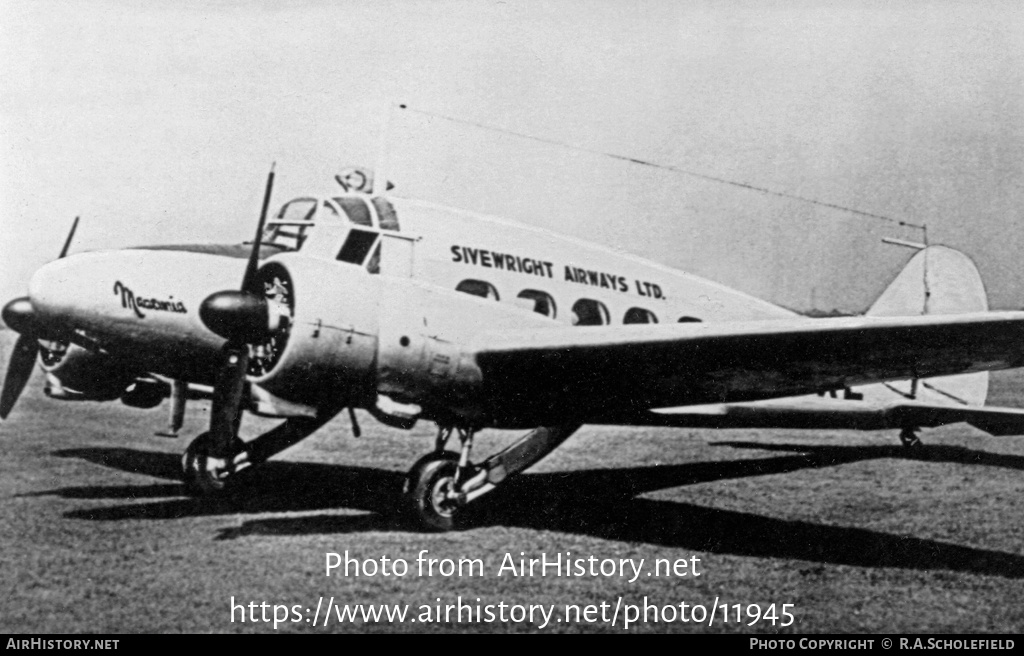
x=203 y=474
x=431 y=491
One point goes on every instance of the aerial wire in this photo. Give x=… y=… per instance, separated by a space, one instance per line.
x=667 y=167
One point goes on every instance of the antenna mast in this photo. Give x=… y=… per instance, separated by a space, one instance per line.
x=380 y=169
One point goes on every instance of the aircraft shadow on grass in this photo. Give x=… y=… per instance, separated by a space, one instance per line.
x=602 y=503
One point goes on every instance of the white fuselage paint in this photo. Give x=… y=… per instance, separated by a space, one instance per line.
x=452 y=246
x=143 y=304
x=146 y=301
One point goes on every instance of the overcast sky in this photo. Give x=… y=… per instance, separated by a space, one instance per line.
x=157 y=122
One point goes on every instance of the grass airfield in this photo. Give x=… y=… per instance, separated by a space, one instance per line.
x=97 y=536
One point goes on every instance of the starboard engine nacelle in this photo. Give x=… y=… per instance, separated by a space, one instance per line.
x=323 y=342
x=395 y=346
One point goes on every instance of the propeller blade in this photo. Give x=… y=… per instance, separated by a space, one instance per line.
x=236 y=316
x=19 y=370
x=18 y=315
x=254 y=256
x=67 y=242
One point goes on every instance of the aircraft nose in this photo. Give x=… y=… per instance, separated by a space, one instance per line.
x=55 y=286
x=131 y=291
x=79 y=286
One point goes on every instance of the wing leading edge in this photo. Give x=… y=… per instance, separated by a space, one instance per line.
x=592 y=374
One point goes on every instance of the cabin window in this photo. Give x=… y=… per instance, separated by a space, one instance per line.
x=537 y=301
x=689 y=320
x=357 y=246
x=478 y=288
x=588 y=312
x=639 y=315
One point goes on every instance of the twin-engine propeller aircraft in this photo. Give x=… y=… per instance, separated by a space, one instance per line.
x=414 y=311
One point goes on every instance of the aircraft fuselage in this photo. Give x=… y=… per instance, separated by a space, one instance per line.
x=437 y=281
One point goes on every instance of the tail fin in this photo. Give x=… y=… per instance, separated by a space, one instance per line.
x=939 y=280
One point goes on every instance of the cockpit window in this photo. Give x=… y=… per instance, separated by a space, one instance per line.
x=298 y=209
x=357 y=246
x=356 y=209
x=373 y=265
x=386 y=214
x=288 y=229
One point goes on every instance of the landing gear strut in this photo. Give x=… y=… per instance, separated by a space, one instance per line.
x=206 y=474
x=441 y=484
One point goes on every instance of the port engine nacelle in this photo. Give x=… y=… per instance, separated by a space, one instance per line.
x=76 y=373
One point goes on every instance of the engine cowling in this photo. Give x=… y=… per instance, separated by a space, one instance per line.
x=395 y=346
x=325 y=350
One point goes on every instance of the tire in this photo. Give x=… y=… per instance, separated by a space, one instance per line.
x=426 y=484
x=199 y=479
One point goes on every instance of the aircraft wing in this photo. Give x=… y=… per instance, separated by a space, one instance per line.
x=827 y=413
x=625 y=371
